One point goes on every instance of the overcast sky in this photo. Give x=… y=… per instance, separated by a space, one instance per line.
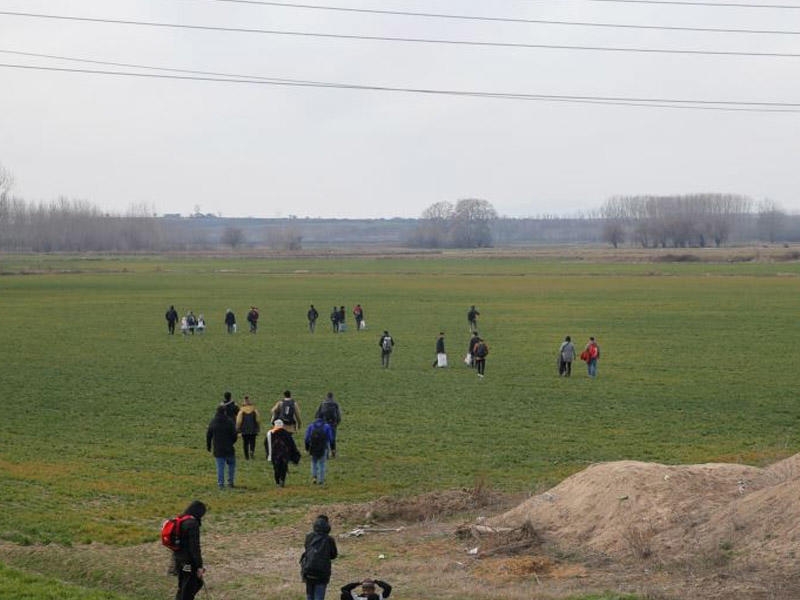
x=266 y=151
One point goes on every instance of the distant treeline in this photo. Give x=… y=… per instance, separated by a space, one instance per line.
x=77 y=226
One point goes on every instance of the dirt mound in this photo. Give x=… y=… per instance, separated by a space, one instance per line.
x=628 y=509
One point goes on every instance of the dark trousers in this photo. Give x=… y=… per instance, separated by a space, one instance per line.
x=385 y=358
x=280 y=467
x=565 y=368
x=480 y=364
x=188 y=585
x=249 y=442
x=171 y=327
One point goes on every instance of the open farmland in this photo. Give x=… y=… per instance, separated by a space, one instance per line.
x=103 y=432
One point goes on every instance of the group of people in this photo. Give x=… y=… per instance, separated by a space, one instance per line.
x=566 y=356
x=319 y=550
x=338 y=318
x=230 y=421
x=189 y=323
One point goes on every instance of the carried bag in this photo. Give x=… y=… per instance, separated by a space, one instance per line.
x=441 y=359
x=171 y=532
x=468 y=359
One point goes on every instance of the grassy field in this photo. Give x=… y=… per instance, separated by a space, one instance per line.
x=103 y=432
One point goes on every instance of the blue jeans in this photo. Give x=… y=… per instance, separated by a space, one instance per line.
x=592 y=366
x=318 y=467
x=315 y=591
x=221 y=462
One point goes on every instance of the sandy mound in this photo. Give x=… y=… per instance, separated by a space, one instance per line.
x=716 y=512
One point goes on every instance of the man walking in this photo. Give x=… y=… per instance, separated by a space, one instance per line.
x=480 y=352
x=591 y=354
x=387 y=345
x=172 y=317
x=472 y=317
x=221 y=435
x=329 y=412
x=319 y=441
x=315 y=563
x=566 y=354
x=281 y=450
x=187 y=560
x=312 y=315
x=441 y=356
x=248 y=424
x=287 y=411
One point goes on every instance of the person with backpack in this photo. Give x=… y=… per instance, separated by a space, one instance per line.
x=472 y=318
x=367 y=590
x=252 y=318
x=187 y=557
x=470 y=358
x=221 y=436
x=319 y=550
x=329 y=412
x=319 y=441
x=248 y=424
x=566 y=354
x=312 y=315
x=287 y=410
x=342 y=318
x=480 y=352
x=335 y=319
x=281 y=450
x=172 y=317
x=191 y=322
x=591 y=354
x=230 y=321
x=387 y=345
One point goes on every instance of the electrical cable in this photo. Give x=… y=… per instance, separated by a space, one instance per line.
x=754 y=106
x=375 y=11
x=705 y=4
x=405 y=39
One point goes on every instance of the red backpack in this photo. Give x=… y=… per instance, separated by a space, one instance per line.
x=171 y=532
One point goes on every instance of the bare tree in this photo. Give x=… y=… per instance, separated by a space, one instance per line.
x=771 y=220
x=233 y=237
x=471 y=223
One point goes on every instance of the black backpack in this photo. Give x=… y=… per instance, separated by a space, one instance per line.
x=249 y=424
x=286 y=412
x=317 y=441
x=315 y=562
x=327 y=412
x=482 y=350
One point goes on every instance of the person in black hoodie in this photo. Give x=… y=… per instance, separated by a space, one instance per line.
x=231 y=408
x=187 y=563
x=222 y=434
x=315 y=563
x=172 y=317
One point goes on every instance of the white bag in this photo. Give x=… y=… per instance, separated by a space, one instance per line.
x=468 y=360
x=363 y=325
x=441 y=359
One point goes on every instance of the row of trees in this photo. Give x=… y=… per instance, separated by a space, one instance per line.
x=465 y=224
x=679 y=221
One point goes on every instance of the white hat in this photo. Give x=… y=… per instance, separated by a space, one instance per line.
x=277 y=423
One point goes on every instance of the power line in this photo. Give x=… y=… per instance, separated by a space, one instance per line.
x=726 y=105
x=375 y=11
x=405 y=39
x=698 y=3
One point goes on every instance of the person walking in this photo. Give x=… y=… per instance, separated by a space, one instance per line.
x=252 y=318
x=319 y=550
x=221 y=435
x=281 y=450
x=591 y=354
x=470 y=358
x=172 y=317
x=566 y=354
x=312 y=315
x=287 y=410
x=335 y=319
x=480 y=352
x=472 y=318
x=248 y=424
x=187 y=560
x=367 y=590
x=230 y=321
x=387 y=345
x=320 y=440
x=358 y=315
x=191 y=322
x=342 y=318
x=329 y=412
x=441 y=356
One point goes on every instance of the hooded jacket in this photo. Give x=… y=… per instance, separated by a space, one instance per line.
x=248 y=426
x=190 y=553
x=221 y=435
x=320 y=550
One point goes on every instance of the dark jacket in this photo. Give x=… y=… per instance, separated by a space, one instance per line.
x=330 y=436
x=472 y=341
x=190 y=553
x=329 y=412
x=171 y=315
x=318 y=570
x=222 y=434
x=440 y=345
x=230 y=318
x=231 y=408
x=312 y=314
x=280 y=447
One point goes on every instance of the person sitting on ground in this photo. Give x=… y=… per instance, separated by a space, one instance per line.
x=367 y=590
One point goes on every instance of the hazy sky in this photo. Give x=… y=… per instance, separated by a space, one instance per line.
x=262 y=150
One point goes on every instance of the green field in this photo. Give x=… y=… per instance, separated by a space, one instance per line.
x=103 y=432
